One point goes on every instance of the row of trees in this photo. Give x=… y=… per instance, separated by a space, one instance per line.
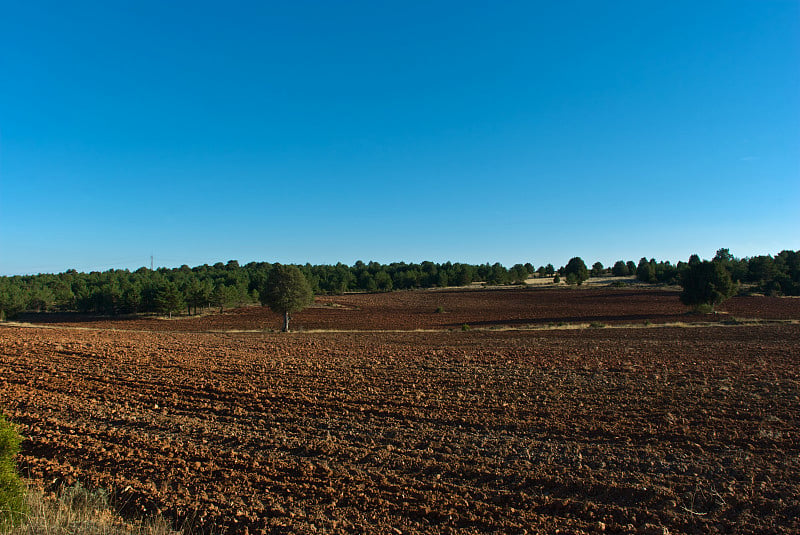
x=778 y=275
x=167 y=291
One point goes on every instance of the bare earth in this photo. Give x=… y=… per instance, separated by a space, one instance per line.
x=624 y=430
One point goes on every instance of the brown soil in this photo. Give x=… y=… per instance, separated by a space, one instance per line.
x=659 y=430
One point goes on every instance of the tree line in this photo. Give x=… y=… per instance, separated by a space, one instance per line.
x=224 y=285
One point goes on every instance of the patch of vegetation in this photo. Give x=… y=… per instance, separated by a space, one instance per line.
x=704 y=308
x=79 y=511
x=576 y=271
x=465 y=327
x=596 y=325
x=706 y=284
x=439 y=310
x=12 y=491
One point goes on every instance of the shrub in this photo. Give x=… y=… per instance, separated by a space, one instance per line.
x=620 y=269
x=556 y=279
x=465 y=327
x=440 y=310
x=705 y=285
x=577 y=268
x=704 y=308
x=12 y=493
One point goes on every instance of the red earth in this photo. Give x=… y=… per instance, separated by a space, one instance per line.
x=664 y=429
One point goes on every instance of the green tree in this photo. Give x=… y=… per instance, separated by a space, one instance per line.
x=383 y=281
x=577 y=268
x=12 y=298
x=286 y=291
x=646 y=271
x=219 y=297
x=198 y=293
x=597 y=269
x=169 y=299
x=706 y=283
x=620 y=269
x=518 y=273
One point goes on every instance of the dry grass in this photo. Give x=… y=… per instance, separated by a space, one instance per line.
x=78 y=511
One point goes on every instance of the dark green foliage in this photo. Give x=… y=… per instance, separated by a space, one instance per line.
x=518 y=273
x=598 y=270
x=620 y=269
x=11 y=487
x=631 y=265
x=706 y=283
x=576 y=271
x=556 y=279
x=286 y=291
x=646 y=271
x=12 y=298
x=383 y=281
x=169 y=299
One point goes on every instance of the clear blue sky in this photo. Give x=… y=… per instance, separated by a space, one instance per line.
x=336 y=131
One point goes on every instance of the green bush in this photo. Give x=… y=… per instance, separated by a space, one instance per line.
x=576 y=271
x=465 y=327
x=705 y=285
x=12 y=492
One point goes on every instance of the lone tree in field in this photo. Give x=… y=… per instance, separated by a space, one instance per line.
x=286 y=291
x=706 y=284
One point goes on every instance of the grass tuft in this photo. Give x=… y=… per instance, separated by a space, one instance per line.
x=79 y=511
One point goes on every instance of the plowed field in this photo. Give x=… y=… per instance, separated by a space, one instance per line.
x=617 y=430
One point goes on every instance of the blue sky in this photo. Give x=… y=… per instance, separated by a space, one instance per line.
x=396 y=131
